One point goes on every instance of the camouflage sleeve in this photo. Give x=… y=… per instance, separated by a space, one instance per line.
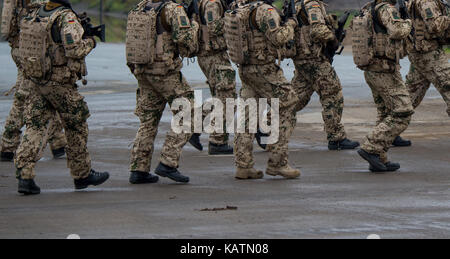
x=72 y=37
x=397 y=28
x=184 y=32
x=213 y=15
x=269 y=22
x=320 y=32
x=435 y=21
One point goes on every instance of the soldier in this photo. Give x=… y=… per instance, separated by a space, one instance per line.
x=378 y=53
x=52 y=50
x=262 y=78
x=158 y=71
x=215 y=64
x=429 y=63
x=314 y=72
x=15 y=121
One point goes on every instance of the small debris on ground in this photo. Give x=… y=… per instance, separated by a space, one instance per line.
x=221 y=209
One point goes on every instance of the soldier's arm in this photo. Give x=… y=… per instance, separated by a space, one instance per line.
x=435 y=21
x=213 y=15
x=72 y=37
x=397 y=28
x=320 y=32
x=269 y=22
x=184 y=32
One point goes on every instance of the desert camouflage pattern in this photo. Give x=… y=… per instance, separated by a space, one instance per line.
x=59 y=95
x=315 y=33
x=222 y=84
x=214 y=60
x=319 y=76
x=429 y=63
x=314 y=73
x=394 y=111
x=426 y=69
x=430 y=23
x=156 y=90
x=212 y=38
x=179 y=39
x=389 y=44
x=266 y=81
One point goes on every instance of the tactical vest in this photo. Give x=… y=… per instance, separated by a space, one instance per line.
x=371 y=41
x=305 y=46
x=41 y=52
x=423 y=41
x=209 y=43
x=246 y=44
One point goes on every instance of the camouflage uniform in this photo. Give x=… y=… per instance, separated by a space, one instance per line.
x=313 y=71
x=213 y=58
x=263 y=78
x=429 y=63
x=15 y=121
x=59 y=95
x=160 y=83
x=383 y=76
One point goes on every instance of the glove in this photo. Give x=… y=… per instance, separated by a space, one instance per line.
x=292 y=22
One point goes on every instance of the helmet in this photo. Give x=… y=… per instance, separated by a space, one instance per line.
x=65 y=3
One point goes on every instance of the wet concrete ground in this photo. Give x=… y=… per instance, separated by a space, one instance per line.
x=336 y=197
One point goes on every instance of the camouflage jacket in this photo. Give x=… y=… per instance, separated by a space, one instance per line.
x=212 y=27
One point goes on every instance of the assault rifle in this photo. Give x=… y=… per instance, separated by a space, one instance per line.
x=336 y=48
x=90 y=30
x=403 y=9
x=288 y=10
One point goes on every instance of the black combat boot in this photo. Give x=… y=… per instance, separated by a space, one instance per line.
x=400 y=142
x=171 y=173
x=6 y=156
x=28 y=187
x=391 y=167
x=142 y=178
x=58 y=153
x=258 y=137
x=195 y=141
x=374 y=160
x=224 y=149
x=343 y=144
x=94 y=178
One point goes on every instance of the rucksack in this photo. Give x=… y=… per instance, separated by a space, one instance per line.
x=238 y=32
x=8 y=13
x=141 y=32
x=35 y=41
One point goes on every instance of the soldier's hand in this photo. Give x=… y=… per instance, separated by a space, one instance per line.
x=195 y=25
x=292 y=22
x=93 y=40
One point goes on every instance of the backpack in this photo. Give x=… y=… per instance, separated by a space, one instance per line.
x=141 y=32
x=35 y=41
x=238 y=32
x=8 y=14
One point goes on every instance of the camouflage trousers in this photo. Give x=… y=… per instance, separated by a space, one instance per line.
x=394 y=111
x=43 y=104
x=222 y=84
x=320 y=77
x=152 y=96
x=266 y=81
x=426 y=69
x=15 y=121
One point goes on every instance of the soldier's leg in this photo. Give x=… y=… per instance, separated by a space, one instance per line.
x=172 y=87
x=222 y=83
x=302 y=84
x=56 y=136
x=37 y=114
x=149 y=108
x=15 y=121
x=417 y=84
x=268 y=81
x=74 y=112
x=440 y=75
x=392 y=90
x=329 y=89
